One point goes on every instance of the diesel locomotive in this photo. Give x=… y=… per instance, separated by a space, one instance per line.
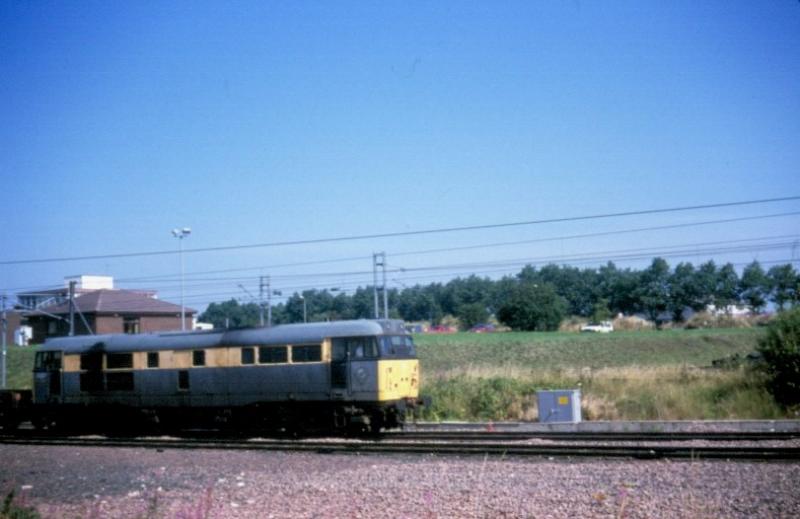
x=348 y=375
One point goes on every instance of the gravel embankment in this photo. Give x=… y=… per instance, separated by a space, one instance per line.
x=137 y=483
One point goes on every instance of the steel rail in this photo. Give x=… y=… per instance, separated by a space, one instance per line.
x=592 y=436
x=437 y=448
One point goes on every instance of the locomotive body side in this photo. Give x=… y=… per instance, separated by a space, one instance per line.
x=351 y=372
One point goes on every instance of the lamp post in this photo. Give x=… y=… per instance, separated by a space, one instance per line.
x=181 y=234
x=305 y=311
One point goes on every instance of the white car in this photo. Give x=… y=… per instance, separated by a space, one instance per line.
x=604 y=327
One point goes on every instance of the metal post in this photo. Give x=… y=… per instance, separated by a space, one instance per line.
x=261 y=300
x=181 y=234
x=305 y=310
x=269 y=303
x=375 y=264
x=71 y=308
x=375 y=282
x=183 y=309
x=385 y=293
x=5 y=348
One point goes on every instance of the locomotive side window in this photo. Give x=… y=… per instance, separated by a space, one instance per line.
x=92 y=361
x=248 y=356
x=272 y=355
x=198 y=358
x=152 y=359
x=119 y=361
x=307 y=353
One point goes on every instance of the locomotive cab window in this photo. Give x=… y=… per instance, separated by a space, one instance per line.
x=355 y=348
x=47 y=361
x=198 y=358
x=248 y=356
x=398 y=346
x=307 y=353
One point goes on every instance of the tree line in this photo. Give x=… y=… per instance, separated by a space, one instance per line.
x=540 y=298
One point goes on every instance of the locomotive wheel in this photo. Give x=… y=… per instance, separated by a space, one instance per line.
x=376 y=423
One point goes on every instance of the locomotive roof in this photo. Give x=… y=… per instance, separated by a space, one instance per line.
x=283 y=334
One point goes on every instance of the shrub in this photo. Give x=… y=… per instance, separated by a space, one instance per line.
x=780 y=348
x=11 y=510
x=533 y=308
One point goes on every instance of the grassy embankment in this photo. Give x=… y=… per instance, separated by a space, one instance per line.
x=646 y=375
x=20 y=365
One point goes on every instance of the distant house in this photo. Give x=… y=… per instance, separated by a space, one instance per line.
x=13 y=323
x=109 y=311
x=83 y=285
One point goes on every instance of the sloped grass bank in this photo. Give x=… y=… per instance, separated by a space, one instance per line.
x=630 y=393
x=20 y=365
x=645 y=375
x=547 y=350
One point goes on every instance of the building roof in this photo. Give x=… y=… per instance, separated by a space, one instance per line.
x=118 y=302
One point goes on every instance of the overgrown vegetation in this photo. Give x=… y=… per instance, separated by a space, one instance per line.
x=645 y=375
x=20 y=366
x=780 y=348
x=629 y=393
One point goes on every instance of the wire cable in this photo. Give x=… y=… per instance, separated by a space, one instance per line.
x=404 y=233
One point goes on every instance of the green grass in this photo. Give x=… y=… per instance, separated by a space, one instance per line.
x=642 y=375
x=20 y=367
x=553 y=350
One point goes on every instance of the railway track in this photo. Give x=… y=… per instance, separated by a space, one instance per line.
x=408 y=444
x=432 y=435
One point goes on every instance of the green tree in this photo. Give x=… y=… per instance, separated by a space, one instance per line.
x=726 y=288
x=231 y=314
x=683 y=291
x=653 y=289
x=780 y=348
x=600 y=311
x=783 y=281
x=471 y=314
x=618 y=287
x=705 y=282
x=754 y=287
x=533 y=307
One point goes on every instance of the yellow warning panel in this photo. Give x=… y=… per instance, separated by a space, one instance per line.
x=563 y=400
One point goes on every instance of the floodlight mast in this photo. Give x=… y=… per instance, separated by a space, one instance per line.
x=182 y=233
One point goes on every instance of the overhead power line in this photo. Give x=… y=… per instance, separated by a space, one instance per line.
x=363 y=258
x=403 y=233
x=669 y=251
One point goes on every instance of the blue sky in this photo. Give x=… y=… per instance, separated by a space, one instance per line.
x=272 y=121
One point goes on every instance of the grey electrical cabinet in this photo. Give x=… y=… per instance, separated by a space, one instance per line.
x=559 y=405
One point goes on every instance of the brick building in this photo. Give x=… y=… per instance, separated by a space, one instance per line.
x=109 y=311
